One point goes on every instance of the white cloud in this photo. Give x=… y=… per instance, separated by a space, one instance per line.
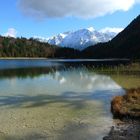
x=78 y=8
x=113 y=30
x=11 y=32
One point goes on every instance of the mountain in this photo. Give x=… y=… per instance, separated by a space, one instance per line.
x=80 y=39
x=125 y=45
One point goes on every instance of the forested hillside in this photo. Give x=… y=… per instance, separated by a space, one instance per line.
x=125 y=45
x=22 y=47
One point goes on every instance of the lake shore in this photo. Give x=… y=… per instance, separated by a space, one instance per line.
x=124 y=131
x=126 y=108
x=76 y=59
x=20 y=58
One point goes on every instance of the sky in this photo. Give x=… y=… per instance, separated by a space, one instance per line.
x=46 y=18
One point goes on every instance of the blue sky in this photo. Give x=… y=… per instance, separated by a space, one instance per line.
x=29 y=18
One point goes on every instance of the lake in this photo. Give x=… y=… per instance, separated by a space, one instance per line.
x=55 y=100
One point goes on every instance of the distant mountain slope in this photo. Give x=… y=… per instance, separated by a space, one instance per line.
x=125 y=45
x=80 y=39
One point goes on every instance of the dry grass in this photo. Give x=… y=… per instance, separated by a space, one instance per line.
x=127 y=105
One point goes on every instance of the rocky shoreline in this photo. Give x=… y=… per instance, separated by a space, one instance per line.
x=126 y=108
x=124 y=131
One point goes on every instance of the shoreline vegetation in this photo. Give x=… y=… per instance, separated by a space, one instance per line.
x=121 y=68
x=126 y=108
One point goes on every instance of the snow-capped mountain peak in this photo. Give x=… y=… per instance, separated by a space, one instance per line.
x=82 y=38
x=91 y=29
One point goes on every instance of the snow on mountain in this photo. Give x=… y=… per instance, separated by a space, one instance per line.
x=82 y=38
x=56 y=40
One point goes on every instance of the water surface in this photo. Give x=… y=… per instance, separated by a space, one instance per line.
x=49 y=100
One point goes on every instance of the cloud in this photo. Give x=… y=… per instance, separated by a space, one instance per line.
x=78 y=8
x=11 y=32
x=113 y=30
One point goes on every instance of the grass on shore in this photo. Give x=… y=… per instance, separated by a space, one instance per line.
x=127 y=106
x=119 y=69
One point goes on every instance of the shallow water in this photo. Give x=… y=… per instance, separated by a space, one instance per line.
x=41 y=100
